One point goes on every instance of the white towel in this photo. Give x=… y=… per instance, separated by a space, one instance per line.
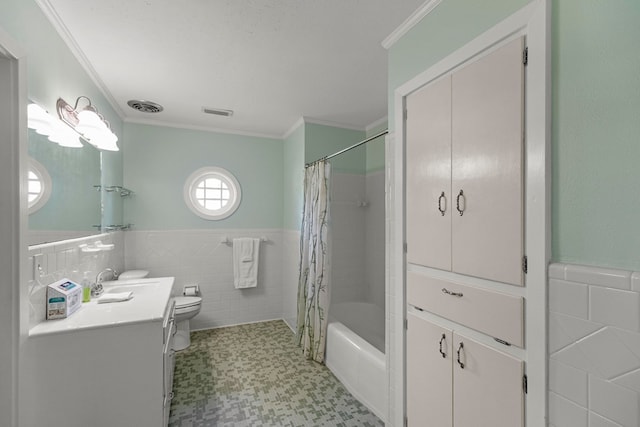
x=115 y=297
x=245 y=262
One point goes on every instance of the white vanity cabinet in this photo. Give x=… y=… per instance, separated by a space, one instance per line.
x=455 y=381
x=169 y=329
x=464 y=162
x=106 y=365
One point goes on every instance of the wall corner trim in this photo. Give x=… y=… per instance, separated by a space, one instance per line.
x=55 y=20
x=377 y=123
x=293 y=128
x=410 y=22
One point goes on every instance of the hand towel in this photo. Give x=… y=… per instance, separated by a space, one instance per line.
x=115 y=297
x=245 y=262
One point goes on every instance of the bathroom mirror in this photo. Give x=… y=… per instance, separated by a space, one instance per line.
x=73 y=208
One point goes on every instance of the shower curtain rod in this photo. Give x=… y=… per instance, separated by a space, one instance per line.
x=357 y=144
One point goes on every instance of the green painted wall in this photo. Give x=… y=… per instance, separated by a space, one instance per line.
x=159 y=160
x=321 y=140
x=596 y=132
x=53 y=72
x=448 y=27
x=74 y=204
x=375 y=149
x=596 y=105
x=293 y=179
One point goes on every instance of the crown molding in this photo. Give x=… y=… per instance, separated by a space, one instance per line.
x=311 y=120
x=377 y=123
x=151 y=122
x=55 y=20
x=410 y=22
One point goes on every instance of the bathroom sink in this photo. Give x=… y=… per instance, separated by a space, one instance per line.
x=138 y=288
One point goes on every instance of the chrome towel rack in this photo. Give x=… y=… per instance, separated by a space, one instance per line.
x=227 y=241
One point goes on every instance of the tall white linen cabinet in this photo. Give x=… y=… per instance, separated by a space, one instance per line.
x=465 y=244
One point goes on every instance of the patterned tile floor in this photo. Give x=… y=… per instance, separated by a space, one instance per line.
x=255 y=375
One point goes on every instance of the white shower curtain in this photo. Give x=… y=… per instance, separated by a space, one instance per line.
x=313 y=284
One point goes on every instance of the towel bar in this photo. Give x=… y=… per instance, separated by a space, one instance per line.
x=227 y=241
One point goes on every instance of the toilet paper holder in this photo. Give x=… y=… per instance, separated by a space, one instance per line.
x=191 y=290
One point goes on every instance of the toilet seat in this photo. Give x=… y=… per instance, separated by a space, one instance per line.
x=184 y=302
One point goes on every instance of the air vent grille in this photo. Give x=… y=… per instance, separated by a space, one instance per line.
x=145 y=106
x=217 y=111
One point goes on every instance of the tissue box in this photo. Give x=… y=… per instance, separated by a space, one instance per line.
x=64 y=297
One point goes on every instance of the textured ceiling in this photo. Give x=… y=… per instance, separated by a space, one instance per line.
x=271 y=61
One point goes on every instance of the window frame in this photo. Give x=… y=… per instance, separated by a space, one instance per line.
x=46 y=185
x=194 y=180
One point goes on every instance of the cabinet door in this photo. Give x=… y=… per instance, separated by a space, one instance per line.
x=487 y=179
x=429 y=382
x=488 y=390
x=428 y=187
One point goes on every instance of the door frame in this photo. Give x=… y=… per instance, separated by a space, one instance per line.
x=13 y=222
x=533 y=21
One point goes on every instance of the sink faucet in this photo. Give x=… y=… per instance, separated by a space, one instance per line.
x=100 y=276
x=97 y=289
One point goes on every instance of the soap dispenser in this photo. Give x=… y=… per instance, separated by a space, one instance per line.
x=86 y=288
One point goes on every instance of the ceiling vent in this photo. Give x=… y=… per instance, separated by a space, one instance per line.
x=145 y=106
x=217 y=111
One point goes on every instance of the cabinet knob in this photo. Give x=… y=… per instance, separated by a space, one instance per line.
x=442 y=207
x=460 y=196
x=460 y=347
x=444 y=337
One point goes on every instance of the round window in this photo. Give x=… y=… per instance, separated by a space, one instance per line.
x=38 y=185
x=212 y=193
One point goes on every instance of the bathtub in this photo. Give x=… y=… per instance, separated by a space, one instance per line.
x=355 y=361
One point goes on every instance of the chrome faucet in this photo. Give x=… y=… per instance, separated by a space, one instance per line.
x=97 y=289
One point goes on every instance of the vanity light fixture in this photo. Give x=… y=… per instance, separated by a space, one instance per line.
x=43 y=123
x=88 y=123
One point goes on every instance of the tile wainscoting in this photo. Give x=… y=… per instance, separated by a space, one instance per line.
x=199 y=257
x=594 y=346
x=64 y=259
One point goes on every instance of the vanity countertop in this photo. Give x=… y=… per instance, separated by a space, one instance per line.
x=149 y=302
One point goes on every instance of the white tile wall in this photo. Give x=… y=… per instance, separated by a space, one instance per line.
x=375 y=238
x=594 y=345
x=358 y=238
x=38 y=237
x=290 y=275
x=348 y=281
x=199 y=257
x=51 y=262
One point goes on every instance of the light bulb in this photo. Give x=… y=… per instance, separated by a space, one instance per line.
x=105 y=140
x=89 y=121
x=65 y=136
x=39 y=120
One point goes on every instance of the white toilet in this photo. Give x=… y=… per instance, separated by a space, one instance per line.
x=186 y=309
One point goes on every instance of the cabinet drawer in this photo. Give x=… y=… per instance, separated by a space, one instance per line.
x=493 y=313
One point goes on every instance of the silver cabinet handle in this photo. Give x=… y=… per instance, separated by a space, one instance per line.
x=460 y=347
x=460 y=195
x=440 y=199
x=444 y=337
x=453 y=294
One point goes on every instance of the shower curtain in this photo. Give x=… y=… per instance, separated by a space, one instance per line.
x=313 y=284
